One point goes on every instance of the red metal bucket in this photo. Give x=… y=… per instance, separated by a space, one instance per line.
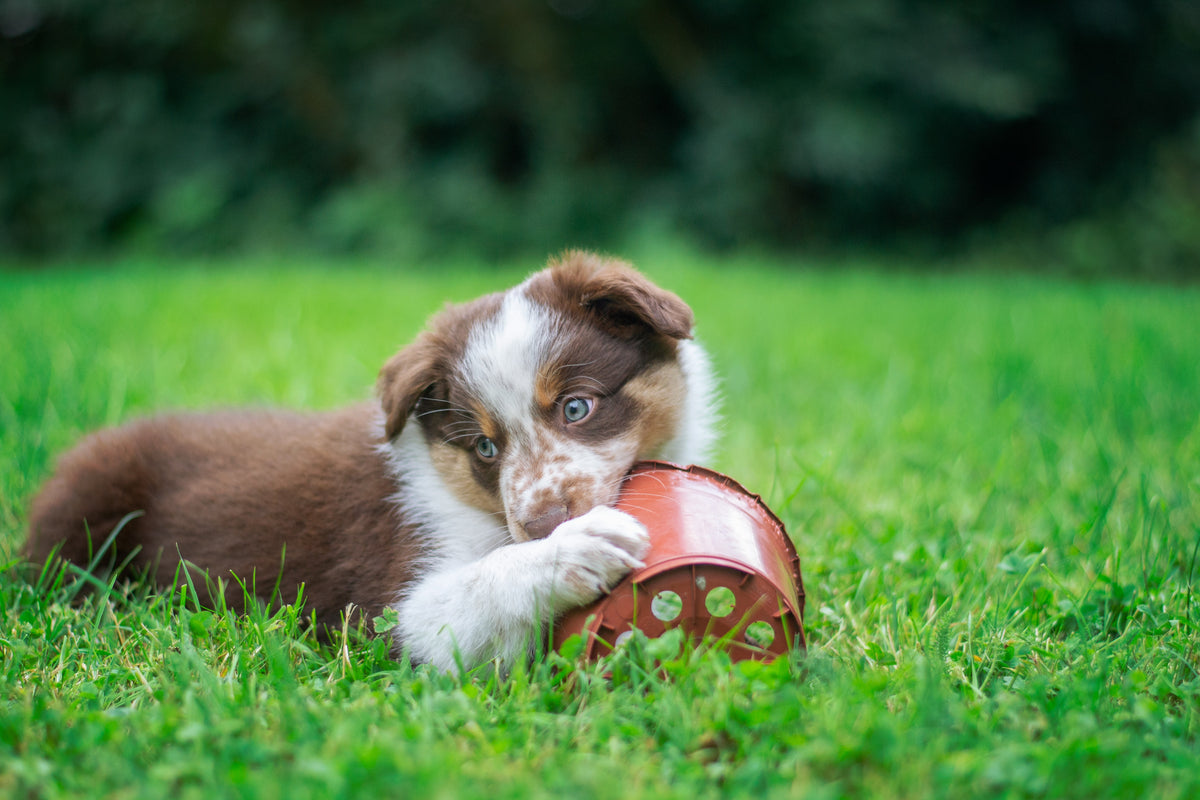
x=720 y=565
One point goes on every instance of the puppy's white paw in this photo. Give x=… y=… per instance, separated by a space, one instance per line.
x=593 y=552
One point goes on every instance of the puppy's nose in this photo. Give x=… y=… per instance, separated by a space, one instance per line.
x=543 y=525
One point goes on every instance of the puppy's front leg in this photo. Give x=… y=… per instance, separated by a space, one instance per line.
x=499 y=605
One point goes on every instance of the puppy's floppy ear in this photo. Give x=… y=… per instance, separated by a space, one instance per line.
x=404 y=378
x=625 y=300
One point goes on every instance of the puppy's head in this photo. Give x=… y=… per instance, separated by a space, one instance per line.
x=535 y=402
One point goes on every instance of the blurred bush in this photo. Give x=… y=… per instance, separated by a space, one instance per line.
x=504 y=124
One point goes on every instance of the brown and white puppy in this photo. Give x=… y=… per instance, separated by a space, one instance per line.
x=474 y=497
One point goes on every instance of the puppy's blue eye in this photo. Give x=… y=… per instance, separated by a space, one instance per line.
x=486 y=448
x=576 y=409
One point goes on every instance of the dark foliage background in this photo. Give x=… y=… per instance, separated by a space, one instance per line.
x=502 y=124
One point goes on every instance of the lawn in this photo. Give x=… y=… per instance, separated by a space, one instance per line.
x=993 y=483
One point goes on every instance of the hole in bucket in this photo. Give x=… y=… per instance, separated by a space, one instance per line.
x=760 y=634
x=720 y=601
x=666 y=605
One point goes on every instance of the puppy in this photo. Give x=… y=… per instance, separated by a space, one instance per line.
x=474 y=497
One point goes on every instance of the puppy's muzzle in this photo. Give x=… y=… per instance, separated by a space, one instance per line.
x=544 y=524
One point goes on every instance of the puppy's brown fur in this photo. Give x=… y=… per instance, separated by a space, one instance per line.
x=235 y=487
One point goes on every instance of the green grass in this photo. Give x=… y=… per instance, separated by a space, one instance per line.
x=993 y=483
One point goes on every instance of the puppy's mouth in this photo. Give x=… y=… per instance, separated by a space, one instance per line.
x=540 y=519
x=541 y=492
